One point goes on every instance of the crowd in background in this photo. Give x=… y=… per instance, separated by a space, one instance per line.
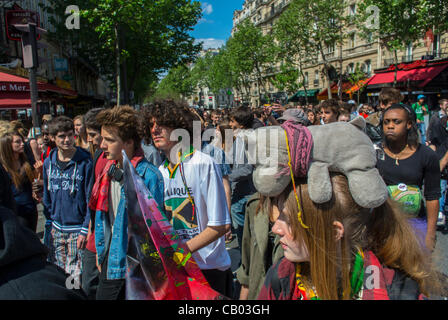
x=68 y=163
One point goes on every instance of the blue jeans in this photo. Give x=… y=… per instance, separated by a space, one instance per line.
x=422 y=129
x=443 y=184
x=238 y=212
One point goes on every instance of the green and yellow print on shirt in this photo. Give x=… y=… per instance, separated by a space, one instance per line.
x=182 y=219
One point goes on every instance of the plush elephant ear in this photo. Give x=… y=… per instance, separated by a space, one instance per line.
x=319 y=184
x=359 y=122
x=367 y=188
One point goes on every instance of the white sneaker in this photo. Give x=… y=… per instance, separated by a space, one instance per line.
x=441 y=219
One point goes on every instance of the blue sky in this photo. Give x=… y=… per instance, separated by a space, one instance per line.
x=217 y=20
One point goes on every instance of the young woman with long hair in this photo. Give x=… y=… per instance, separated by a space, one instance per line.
x=81 y=133
x=409 y=167
x=22 y=174
x=312 y=117
x=341 y=251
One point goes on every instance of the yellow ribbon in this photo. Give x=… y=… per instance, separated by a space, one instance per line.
x=299 y=214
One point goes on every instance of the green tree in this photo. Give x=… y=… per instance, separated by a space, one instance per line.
x=316 y=26
x=144 y=37
x=291 y=50
x=356 y=77
x=178 y=83
x=251 y=55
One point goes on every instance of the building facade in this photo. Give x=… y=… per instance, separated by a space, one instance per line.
x=75 y=84
x=355 y=52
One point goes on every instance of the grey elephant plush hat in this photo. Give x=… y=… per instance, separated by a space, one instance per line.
x=337 y=147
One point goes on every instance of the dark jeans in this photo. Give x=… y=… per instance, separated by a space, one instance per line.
x=239 y=235
x=90 y=274
x=220 y=281
x=110 y=289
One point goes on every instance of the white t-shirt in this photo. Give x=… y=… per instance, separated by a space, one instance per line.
x=114 y=199
x=203 y=179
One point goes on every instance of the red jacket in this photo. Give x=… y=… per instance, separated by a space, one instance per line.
x=100 y=162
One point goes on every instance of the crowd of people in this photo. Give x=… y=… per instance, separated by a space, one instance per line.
x=291 y=247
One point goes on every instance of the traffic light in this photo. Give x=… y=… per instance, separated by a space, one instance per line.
x=30 y=44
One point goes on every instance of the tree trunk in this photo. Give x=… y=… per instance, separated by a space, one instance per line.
x=396 y=68
x=327 y=72
x=340 y=70
x=304 y=84
x=117 y=64
x=125 y=73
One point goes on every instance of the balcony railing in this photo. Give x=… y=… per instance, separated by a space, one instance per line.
x=316 y=83
x=435 y=55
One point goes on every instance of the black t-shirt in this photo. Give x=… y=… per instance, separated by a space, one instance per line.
x=62 y=164
x=422 y=169
x=437 y=130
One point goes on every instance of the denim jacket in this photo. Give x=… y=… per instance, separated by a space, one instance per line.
x=117 y=242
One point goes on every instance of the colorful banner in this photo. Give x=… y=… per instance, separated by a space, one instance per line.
x=159 y=265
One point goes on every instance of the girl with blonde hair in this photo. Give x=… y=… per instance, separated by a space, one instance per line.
x=340 y=251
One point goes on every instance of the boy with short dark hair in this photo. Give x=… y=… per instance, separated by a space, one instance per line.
x=330 y=110
x=119 y=133
x=66 y=174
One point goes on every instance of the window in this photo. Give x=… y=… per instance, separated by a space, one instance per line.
x=369 y=37
x=366 y=67
x=351 y=68
x=306 y=79
x=409 y=49
x=436 y=46
x=352 y=41
x=409 y=53
x=352 y=10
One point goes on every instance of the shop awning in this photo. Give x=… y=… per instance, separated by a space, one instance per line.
x=55 y=89
x=12 y=83
x=422 y=75
x=301 y=93
x=15 y=100
x=6 y=77
x=334 y=90
x=357 y=86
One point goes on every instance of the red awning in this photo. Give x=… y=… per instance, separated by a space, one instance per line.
x=11 y=83
x=14 y=100
x=334 y=90
x=52 y=88
x=425 y=75
x=6 y=77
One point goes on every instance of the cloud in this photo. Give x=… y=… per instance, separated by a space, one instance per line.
x=211 y=43
x=207 y=8
x=203 y=20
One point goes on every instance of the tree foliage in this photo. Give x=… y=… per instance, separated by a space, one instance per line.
x=145 y=37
